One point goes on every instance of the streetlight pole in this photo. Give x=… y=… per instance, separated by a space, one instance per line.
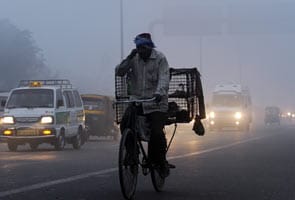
x=201 y=56
x=121 y=29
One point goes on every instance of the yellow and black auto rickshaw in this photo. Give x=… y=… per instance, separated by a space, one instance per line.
x=100 y=115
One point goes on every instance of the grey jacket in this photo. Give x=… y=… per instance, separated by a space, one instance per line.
x=147 y=78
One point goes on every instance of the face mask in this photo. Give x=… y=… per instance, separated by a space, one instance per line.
x=144 y=52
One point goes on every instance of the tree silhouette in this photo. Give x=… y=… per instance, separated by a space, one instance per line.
x=20 y=58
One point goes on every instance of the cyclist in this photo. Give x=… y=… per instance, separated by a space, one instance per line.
x=148 y=76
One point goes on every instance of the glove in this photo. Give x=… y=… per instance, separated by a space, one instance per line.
x=157 y=98
x=132 y=54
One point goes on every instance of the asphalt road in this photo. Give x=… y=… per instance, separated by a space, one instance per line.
x=220 y=165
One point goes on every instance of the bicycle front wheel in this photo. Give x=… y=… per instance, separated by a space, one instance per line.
x=128 y=166
x=157 y=180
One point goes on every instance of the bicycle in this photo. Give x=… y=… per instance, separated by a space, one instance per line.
x=131 y=142
x=185 y=101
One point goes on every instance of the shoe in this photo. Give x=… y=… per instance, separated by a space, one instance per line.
x=171 y=166
x=164 y=170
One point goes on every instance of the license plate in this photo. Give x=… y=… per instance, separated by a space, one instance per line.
x=27 y=132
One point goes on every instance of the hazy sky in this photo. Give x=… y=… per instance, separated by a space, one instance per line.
x=242 y=41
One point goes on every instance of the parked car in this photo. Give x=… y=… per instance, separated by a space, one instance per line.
x=100 y=115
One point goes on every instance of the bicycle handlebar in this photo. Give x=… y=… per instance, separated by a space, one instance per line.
x=135 y=100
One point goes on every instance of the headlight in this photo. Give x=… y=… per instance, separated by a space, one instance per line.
x=212 y=115
x=7 y=120
x=238 y=115
x=47 y=120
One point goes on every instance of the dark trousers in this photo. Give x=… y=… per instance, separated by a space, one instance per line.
x=157 y=144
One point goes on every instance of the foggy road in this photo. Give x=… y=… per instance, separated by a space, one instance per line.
x=219 y=165
x=240 y=59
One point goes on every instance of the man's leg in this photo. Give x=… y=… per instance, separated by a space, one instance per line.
x=131 y=146
x=158 y=144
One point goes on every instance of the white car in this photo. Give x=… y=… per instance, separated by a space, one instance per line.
x=43 y=111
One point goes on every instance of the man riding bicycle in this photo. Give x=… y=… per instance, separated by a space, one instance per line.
x=148 y=76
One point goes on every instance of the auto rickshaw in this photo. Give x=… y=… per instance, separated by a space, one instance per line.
x=272 y=115
x=100 y=115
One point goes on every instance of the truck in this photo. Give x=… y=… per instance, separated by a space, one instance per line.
x=231 y=107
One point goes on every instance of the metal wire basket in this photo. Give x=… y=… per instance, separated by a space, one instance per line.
x=121 y=93
x=182 y=95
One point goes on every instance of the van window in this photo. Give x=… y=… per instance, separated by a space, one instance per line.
x=2 y=99
x=59 y=97
x=77 y=99
x=69 y=99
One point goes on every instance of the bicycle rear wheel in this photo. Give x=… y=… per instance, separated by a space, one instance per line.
x=157 y=180
x=128 y=167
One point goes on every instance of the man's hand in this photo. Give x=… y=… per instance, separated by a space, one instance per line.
x=157 y=98
x=132 y=54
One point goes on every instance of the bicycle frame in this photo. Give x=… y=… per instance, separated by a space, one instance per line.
x=132 y=153
x=144 y=163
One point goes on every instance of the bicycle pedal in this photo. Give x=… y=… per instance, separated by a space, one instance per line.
x=171 y=166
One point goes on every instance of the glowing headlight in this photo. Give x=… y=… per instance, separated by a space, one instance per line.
x=212 y=115
x=238 y=115
x=7 y=120
x=47 y=120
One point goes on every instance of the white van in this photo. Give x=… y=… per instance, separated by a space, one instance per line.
x=43 y=111
x=230 y=107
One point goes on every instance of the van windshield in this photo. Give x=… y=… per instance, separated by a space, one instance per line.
x=92 y=104
x=226 y=100
x=31 y=98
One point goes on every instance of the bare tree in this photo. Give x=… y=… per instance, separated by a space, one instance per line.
x=20 y=58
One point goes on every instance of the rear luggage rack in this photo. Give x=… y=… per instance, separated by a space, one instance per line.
x=182 y=95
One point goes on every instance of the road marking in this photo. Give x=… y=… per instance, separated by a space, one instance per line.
x=106 y=171
x=213 y=149
x=55 y=182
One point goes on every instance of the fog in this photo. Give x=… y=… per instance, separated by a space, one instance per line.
x=244 y=41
